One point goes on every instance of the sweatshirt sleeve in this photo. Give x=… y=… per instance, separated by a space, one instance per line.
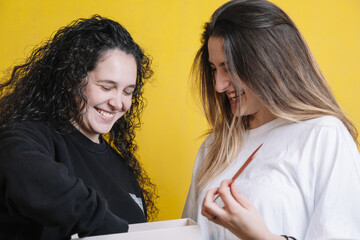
x=37 y=187
x=336 y=213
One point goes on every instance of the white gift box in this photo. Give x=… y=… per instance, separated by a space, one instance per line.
x=178 y=229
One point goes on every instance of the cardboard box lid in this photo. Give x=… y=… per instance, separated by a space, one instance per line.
x=178 y=229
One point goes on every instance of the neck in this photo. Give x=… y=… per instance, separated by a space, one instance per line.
x=260 y=118
x=93 y=137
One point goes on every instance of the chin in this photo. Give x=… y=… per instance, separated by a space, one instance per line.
x=103 y=131
x=238 y=113
x=235 y=112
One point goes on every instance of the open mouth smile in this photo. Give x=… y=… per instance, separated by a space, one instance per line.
x=105 y=113
x=233 y=97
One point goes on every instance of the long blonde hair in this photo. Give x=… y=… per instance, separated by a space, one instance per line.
x=265 y=49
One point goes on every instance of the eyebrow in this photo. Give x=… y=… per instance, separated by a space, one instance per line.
x=221 y=64
x=106 y=81
x=131 y=86
x=114 y=83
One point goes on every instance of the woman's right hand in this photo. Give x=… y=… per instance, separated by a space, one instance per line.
x=238 y=214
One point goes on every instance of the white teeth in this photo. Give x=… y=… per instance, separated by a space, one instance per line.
x=233 y=95
x=105 y=114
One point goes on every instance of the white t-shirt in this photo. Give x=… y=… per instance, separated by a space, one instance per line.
x=304 y=180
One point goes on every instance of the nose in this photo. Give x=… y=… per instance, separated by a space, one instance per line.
x=222 y=81
x=116 y=102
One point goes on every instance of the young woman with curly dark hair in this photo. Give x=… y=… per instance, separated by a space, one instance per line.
x=68 y=117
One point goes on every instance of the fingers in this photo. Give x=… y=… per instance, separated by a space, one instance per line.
x=238 y=214
x=234 y=201
x=209 y=207
x=208 y=204
x=227 y=196
x=243 y=201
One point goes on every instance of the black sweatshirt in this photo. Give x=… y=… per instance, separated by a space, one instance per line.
x=55 y=185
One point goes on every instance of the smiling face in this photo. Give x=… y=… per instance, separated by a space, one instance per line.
x=108 y=92
x=244 y=103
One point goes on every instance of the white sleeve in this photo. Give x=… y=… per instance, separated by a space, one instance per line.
x=336 y=213
x=191 y=207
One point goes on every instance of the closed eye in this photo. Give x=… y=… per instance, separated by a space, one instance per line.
x=106 y=88
x=129 y=90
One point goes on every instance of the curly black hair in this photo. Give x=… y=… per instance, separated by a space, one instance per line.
x=48 y=87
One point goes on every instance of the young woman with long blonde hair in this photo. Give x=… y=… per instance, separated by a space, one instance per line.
x=260 y=86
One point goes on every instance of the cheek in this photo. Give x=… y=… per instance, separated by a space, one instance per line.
x=127 y=103
x=93 y=95
x=253 y=103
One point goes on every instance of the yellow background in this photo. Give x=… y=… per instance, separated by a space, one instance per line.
x=169 y=30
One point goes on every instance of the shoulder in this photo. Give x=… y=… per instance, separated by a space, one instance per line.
x=25 y=125
x=324 y=122
x=33 y=130
x=325 y=126
x=203 y=150
x=320 y=132
x=325 y=132
x=206 y=144
x=312 y=126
